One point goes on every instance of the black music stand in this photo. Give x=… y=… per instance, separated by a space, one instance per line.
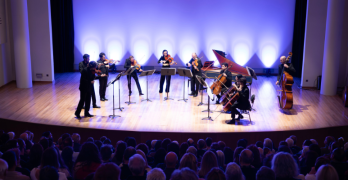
x=201 y=81
x=147 y=74
x=129 y=72
x=113 y=95
x=168 y=72
x=185 y=73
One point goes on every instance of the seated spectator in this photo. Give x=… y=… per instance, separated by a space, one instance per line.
x=308 y=162
x=257 y=163
x=183 y=148
x=208 y=142
x=90 y=139
x=125 y=171
x=215 y=146
x=49 y=173
x=159 y=158
x=228 y=152
x=156 y=174
x=107 y=171
x=189 y=160
x=327 y=172
x=171 y=161
x=337 y=161
x=222 y=145
x=221 y=159
x=284 y=148
x=285 y=167
x=3 y=168
x=143 y=147
x=259 y=144
x=147 y=167
x=209 y=161
x=106 y=152
x=24 y=136
x=152 y=148
x=165 y=143
x=267 y=161
x=77 y=140
x=67 y=157
x=319 y=162
x=242 y=143
x=294 y=148
x=11 y=173
x=137 y=167
x=68 y=142
x=34 y=156
x=245 y=160
x=47 y=134
x=200 y=149
x=173 y=147
x=268 y=144
x=190 y=142
x=102 y=139
x=215 y=174
x=265 y=173
x=233 y=172
x=11 y=135
x=87 y=161
x=98 y=143
x=314 y=141
x=118 y=156
x=184 y=174
x=236 y=154
x=192 y=150
x=131 y=142
x=24 y=171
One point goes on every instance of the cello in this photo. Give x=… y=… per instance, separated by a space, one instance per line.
x=285 y=82
x=217 y=85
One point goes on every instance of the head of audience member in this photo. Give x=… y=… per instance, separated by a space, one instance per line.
x=188 y=160
x=67 y=154
x=265 y=173
x=259 y=144
x=284 y=166
x=143 y=147
x=256 y=155
x=47 y=134
x=215 y=146
x=128 y=153
x=3 y=168
x=24 y=136
x=120 y=149
x=268 y=143
x=306 y=142
x=68 y=142
x=233 y=172
x=17 y=152
x=30 y=135
x=208 y=142
x=159 y=156
x=158 y=144
x=173 y=147
x=304 y=150
x=284 y=148
x=137 y=165
x=106 y=152
x=338 y=155
x=328 y=140
x=107 y=171
x=148 y=143
x=290 y=142
x=176 y=142
x=107 y=141
x=171 y=160
x=50 y=158
x=183 y=148
x=184 y=174
x=165 y=143
x=241 y=143
x=35 y=155
x=190 y=141
x=76 y=138
x=102 y=139
x=201 y=144
x=11 y=135
x=21 y=146
x=215 y=174
x=294 y=138
x=228 y=152
x=4 y=138
x=11 y=159
x=246 y=158
x=49 y=173
x=209 y=161
x=283 y=143
x=98 y=143
x=267 y=161
x=220 y=158
x=89 y=154
x=140 y=152
x=11 y=144
x=333 y=146
x=310 y=158
x=90 y=139
x=192 y=150
x=321 y=161
x=315 y=148
x=236 y=154
x=222 y=145
x=156 y=174
x=314 y=141
x=44 y=143
x=326 y=172
x=153 y=142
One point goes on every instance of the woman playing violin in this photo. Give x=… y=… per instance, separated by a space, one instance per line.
x=196 y=64
x=166 y=61
x=225 y=72
x=131 y=63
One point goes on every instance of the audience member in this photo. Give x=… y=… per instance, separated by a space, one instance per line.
x=171 y=161
x=228 y=152
x=192 y=150
x=327 y=172
x=50 y=173
x=107 y=171
x=209 y=161
x=67 y=156
x=233 y=172
x=156 y=174
x=257 y=162
x=221 y=159
x=208 y=142
x=137 y=167
x=338 y=162
x=165 y=143
x=131 y=142
x=265 y=173
x=200 y=149
x=77 y=140
x=245 y=160
x=184 y=174
x=268 y=144
x=125 y=171
x=106 y=152
x=147 y=167
x=11 y=173
x=236 y=154
x=189 y=160
x=118 y=156
x=87 y=161
x=183 y=148
x=215 y=174
x=143 y=147
x=3 y=169
x=285 y=167
x=159 y=158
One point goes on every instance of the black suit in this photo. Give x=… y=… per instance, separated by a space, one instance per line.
x=83 y=65
x=103 y=81
x=194 y=81
x=291 y=70
x=85 y=90
x=242 y=102
x=167 y=78
x=134 y=74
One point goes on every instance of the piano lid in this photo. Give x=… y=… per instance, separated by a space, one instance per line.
x=236 y=68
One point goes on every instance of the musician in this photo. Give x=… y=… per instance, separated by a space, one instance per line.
x=82 y=65
x=104 y=68
x=86 y=81
x=225 y=72
x=288 y=67
x=195 y=71
x=165 y=64
x=127 y=65
x=242 y=102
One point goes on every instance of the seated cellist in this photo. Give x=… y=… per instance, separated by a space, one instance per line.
x=242 y=102
x=225 y=72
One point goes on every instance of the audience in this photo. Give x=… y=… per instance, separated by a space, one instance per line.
x=285 y=167
x=233 y=172
x=190 y=161
x=171 y=161
x=11 y=173
x=265 y=173
x=125 y=170
x=137 y=167
x=184 y=174
x=215 y=174
x=87 y=161
x=245 y=160
x=209 y=161
x=327 y=172
x=107 y=171
x=3 y=168
x=156 y=174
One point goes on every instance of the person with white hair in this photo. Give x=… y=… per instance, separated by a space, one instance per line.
x=233 y=172
x=314 y=141
x=176 y=142
x=3 y=169
x=221 y=159
x=11 y=135
x=327 y=172
x=286 y=66
x=156 y=174
x=285 y=167
x=268 y=143
x=153 y=142
x=137 y=167
x=192 y=150
x=76 y=138
x=290 y=142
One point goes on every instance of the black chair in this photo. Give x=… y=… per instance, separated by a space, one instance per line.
x=247 y=111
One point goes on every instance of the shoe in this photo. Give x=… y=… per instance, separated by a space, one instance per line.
x=195 y=95
x=140 y=94
x=160 y=91
x=83 y=107
x=240 y=116
x=217 y=102
x=192 y=94
x=95 y=106
x=88 y=115
x=105 y=99
x=102 y=99
x=233 y=121
x=77 y=116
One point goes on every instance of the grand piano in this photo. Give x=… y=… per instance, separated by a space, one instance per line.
x=213 y=72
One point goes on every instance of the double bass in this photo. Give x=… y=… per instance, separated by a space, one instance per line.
x=285 y=82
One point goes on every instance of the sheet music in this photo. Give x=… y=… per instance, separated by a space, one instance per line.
x=210 y=94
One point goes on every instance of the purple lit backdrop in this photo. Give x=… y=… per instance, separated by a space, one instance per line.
x=253 y=33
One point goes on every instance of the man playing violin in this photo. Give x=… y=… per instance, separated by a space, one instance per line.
x=86 y=81
x=166 y=61
x=225 y=72
x=130 y=62
x=103 y=66
x=288 y=67
x=82 y=65
x=196 y=70
x=242 y=102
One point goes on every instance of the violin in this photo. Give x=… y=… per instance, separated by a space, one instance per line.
x=169 y=59
x=111 y=61
x=195 y=64
x=135 y=64
x=217 y=85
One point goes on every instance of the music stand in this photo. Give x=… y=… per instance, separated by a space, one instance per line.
x=168 y=72
x=185 y=73
x=147 y=74
x=129 y=72
x=113 y=95
x=201 y=81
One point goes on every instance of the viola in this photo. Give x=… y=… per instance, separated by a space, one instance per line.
x=195 y=64
x=169 y=59
x=135 y=64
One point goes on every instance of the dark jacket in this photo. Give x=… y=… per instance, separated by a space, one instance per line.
x=291 y=70
x=128 y=65
x=82 y=65
x=229 y=77
x=243 y=99
x=193 y=70
x=162 y=59
x=103 y=68
x=86 y=80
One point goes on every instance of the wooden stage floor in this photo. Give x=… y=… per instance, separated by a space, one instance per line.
x=55 y=103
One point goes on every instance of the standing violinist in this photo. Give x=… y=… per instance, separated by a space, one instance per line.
x=103 y=66
x=242 y=102
x=288 y=67
x=130 y=63
x=164 y=59
x=196 y=64
x=86 y=80
x=226 y=73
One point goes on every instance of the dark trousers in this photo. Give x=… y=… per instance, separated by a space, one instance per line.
x=223 y=90
x=85 y=99
x=195 y=85
x=167 y=78
x=103 y=81
x=94 y=101
x=135 y=77
x=234 y=110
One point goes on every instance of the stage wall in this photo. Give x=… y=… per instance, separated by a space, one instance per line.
x=253 y=33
